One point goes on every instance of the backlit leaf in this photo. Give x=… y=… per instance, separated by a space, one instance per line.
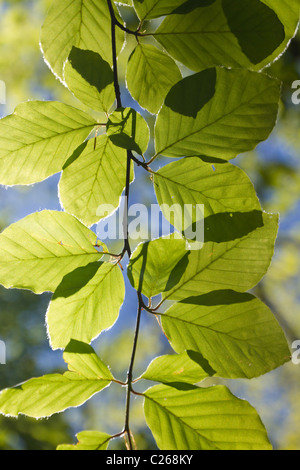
x=128 y=129
x=184 y=367
x=88 y=440
x=82 y=23
x=86 y=302
x=218 y=113
x=192 y=418
x=156 y=266
x=90 y=79
x=38 y=138
x=38 y=251
x=96 y=178
x=236 y=333
x=150 y=75
x=248 y=34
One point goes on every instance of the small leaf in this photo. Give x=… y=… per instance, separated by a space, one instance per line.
x=128 y=129
x=150 y=75
x=96 y=177
x=187 y=367
x=218 y=113
x=158 y=265
x=192 y=418
x=88 y=440
x=90 y=79
x=86 y=302
x=38 y=251
x=37 y=139
x=236 y=333
x=81 y=358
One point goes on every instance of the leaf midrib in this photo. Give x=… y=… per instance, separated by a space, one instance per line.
x=223 y=116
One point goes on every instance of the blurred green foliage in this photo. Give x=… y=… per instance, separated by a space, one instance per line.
x=275 y=171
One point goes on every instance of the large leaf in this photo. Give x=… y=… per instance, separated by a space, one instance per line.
x=150 y=75
x=96 y=177
x=150 y=9
x=88 y=440
x=192 y=418
x=156 y=266
x=53 y=393
x=38 y=251
x=186 y=183
x=186 y=367
x=90 y=78
x=249 y=34
x=236 y=255
x=234 y=260
x=82 y=23
x=37 y=139
x=218 y=113
x=86 y=302
x=236 y=333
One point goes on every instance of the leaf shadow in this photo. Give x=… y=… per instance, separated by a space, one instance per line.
x=265 y=34
x=92 y=68
x=189 y=95
x=224 y=226
x=76 y=154
x=76 y=280
x=191 y=5
x=218 y=297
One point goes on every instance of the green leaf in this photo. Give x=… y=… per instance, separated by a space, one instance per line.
x=256 y=27
x=150 y=9
x=128 y=129
x=248 y=34
x=37 y=139
x=90 y=79
x=218 y=113
x=96 y=177
x=186 y=367
x=81 y=358
x=236 y=333
x=236 y=260
x=150 y=74
x=86 y=302
x=49 y=394
x=82 y=23
x=88 y=440
x=192 y=418
x=189 y=182
x=38 y=251
x=53 y=393
x=156 y=266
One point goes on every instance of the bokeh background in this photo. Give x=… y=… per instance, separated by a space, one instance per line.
x=274 y=168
